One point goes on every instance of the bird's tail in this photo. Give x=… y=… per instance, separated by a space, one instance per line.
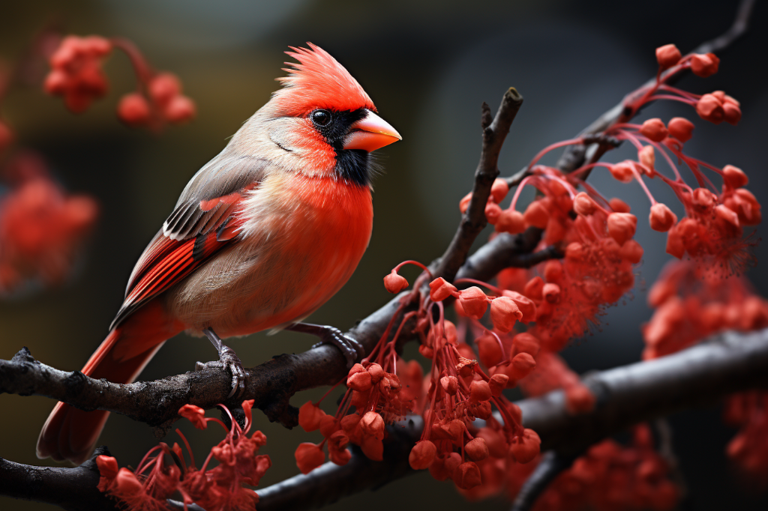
x=70 y=433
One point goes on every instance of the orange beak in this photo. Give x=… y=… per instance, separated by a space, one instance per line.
x=371 y=133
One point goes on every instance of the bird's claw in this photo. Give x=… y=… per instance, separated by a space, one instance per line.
x=228 y=360
x=350 y=348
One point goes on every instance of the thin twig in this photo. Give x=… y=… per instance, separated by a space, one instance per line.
x=550 y=466
x=574 y=156
x=534 y=258
x=473 y=220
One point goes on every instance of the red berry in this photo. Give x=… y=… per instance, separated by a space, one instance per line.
x=133 y=109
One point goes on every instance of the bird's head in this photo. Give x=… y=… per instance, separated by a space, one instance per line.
x=322 y=123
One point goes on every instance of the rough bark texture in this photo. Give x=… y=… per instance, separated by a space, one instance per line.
x=699 y=376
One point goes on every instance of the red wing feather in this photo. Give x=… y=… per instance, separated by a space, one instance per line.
x=166 y=262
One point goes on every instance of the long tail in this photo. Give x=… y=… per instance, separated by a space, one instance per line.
x=71 y=434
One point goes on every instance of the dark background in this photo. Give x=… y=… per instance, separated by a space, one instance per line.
x=427 y=66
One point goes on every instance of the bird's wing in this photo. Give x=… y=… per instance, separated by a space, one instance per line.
x=203 y=222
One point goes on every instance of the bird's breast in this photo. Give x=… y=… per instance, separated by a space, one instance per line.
x=302 y=239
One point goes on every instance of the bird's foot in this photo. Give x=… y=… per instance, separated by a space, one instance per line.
x=349 y=347
x=228 y=359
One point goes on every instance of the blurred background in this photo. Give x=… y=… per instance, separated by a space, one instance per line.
x=427 y=65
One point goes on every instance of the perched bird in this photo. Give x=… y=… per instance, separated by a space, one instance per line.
x=261 y=237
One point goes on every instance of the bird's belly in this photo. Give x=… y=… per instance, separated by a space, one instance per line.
x=266 y=281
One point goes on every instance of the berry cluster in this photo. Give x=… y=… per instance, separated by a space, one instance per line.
x=610 y=477
x=42 y=229
x=77 y=75
x=692 y=304
x=76 y=72
x=380 y=394
x=164 y=102
x=518 y=326
x=216 y=489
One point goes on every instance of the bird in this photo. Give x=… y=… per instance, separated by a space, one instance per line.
x=262 y=235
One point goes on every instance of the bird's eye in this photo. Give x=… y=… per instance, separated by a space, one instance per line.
x=321 y=117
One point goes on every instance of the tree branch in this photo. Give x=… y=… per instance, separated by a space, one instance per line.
x=699 y=376
x=73 y=489
x=270 y=384
x=473 y=220
x=550 y=466
x=574 y=156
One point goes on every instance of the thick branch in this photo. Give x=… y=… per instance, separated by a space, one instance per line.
x=699 y=376
x=70 y=488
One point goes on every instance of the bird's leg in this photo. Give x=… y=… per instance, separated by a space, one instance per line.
x=229 y=359
x=350 y=348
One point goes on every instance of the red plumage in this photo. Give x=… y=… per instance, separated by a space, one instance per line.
x=318 y=81
x=261 y=237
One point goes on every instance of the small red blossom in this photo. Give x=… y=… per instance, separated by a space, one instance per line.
x=667 y=56
x=492 y=212
x=422 y=455
x=108 y=469
x=489 y=350
x=165 y=92
x=309 y=456
x=134 y=110
x=195 y=415
x=526 y=447
x=579 y=399
x=681 y=128
x=647 y=159
x=310 y=416
x=654 y=129
x=440 y=290
x=583 y=204
x=622 y=171
x=510 y=221
x=621 y=226
x=504 y=313
x=395 y=283
x=499 y=190
x=710 y=109
x=734 y=177
x=467 y=475
x=474 y=302
x=704 y=65
x=662 y=218
x=536 y=215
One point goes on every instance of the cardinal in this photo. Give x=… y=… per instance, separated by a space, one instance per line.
x=262 y=236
